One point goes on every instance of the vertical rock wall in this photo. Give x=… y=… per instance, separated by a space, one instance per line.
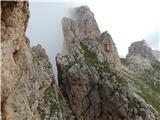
x=28 y=84
x=91 y=84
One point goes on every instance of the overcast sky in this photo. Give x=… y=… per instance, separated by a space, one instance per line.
x=125 y=20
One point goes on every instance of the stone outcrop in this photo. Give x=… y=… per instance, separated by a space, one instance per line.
x=110 y=48
x=142 y=49
x=140 y=56
x=156 y=54
x=85 y=27
x=28 y=84
x=91 y=84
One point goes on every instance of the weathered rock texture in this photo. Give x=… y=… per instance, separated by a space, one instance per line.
x=156 y=54
x=28 y=85
x=141 y=56
x=91 y=85
x=143 y=67
x=85 y=27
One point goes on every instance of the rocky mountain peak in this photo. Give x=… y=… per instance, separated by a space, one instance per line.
x=140 y=56
x=142 y=49
x=84 y=28
x=87 y=23
x=90 y=86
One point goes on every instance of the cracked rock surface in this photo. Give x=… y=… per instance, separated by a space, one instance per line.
x=28 y=84
x=91 y=84
x=140 y=55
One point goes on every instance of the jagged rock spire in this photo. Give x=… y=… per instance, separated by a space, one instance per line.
x=90 y=86
x=28 y=84
x=85 y=27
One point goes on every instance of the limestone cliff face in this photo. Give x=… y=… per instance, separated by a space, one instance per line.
x=142 y=49
x=91 y=84
x=28 y=85
x=140 y=55
x=85 y=27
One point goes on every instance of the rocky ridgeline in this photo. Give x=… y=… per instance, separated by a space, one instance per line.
x=28 y=84
x=91 y=83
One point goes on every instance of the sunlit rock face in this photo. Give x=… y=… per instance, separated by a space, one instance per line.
x=92 y=86
x=28 y=85
x=84 y=26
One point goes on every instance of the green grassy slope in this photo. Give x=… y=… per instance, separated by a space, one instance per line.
x=147 y=84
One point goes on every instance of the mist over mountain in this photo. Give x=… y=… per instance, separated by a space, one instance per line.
x=94 y=83
x=120 y=19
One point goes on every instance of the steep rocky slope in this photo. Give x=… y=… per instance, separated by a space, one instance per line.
x=90 y=79
x=145 y=80
x=27 y=81
x=93 y=83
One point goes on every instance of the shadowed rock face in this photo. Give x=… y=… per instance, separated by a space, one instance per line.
x=84 y=25
x=28 y=85
x=91 y=84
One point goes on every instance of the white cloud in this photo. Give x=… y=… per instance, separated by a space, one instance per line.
x=128 y=21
